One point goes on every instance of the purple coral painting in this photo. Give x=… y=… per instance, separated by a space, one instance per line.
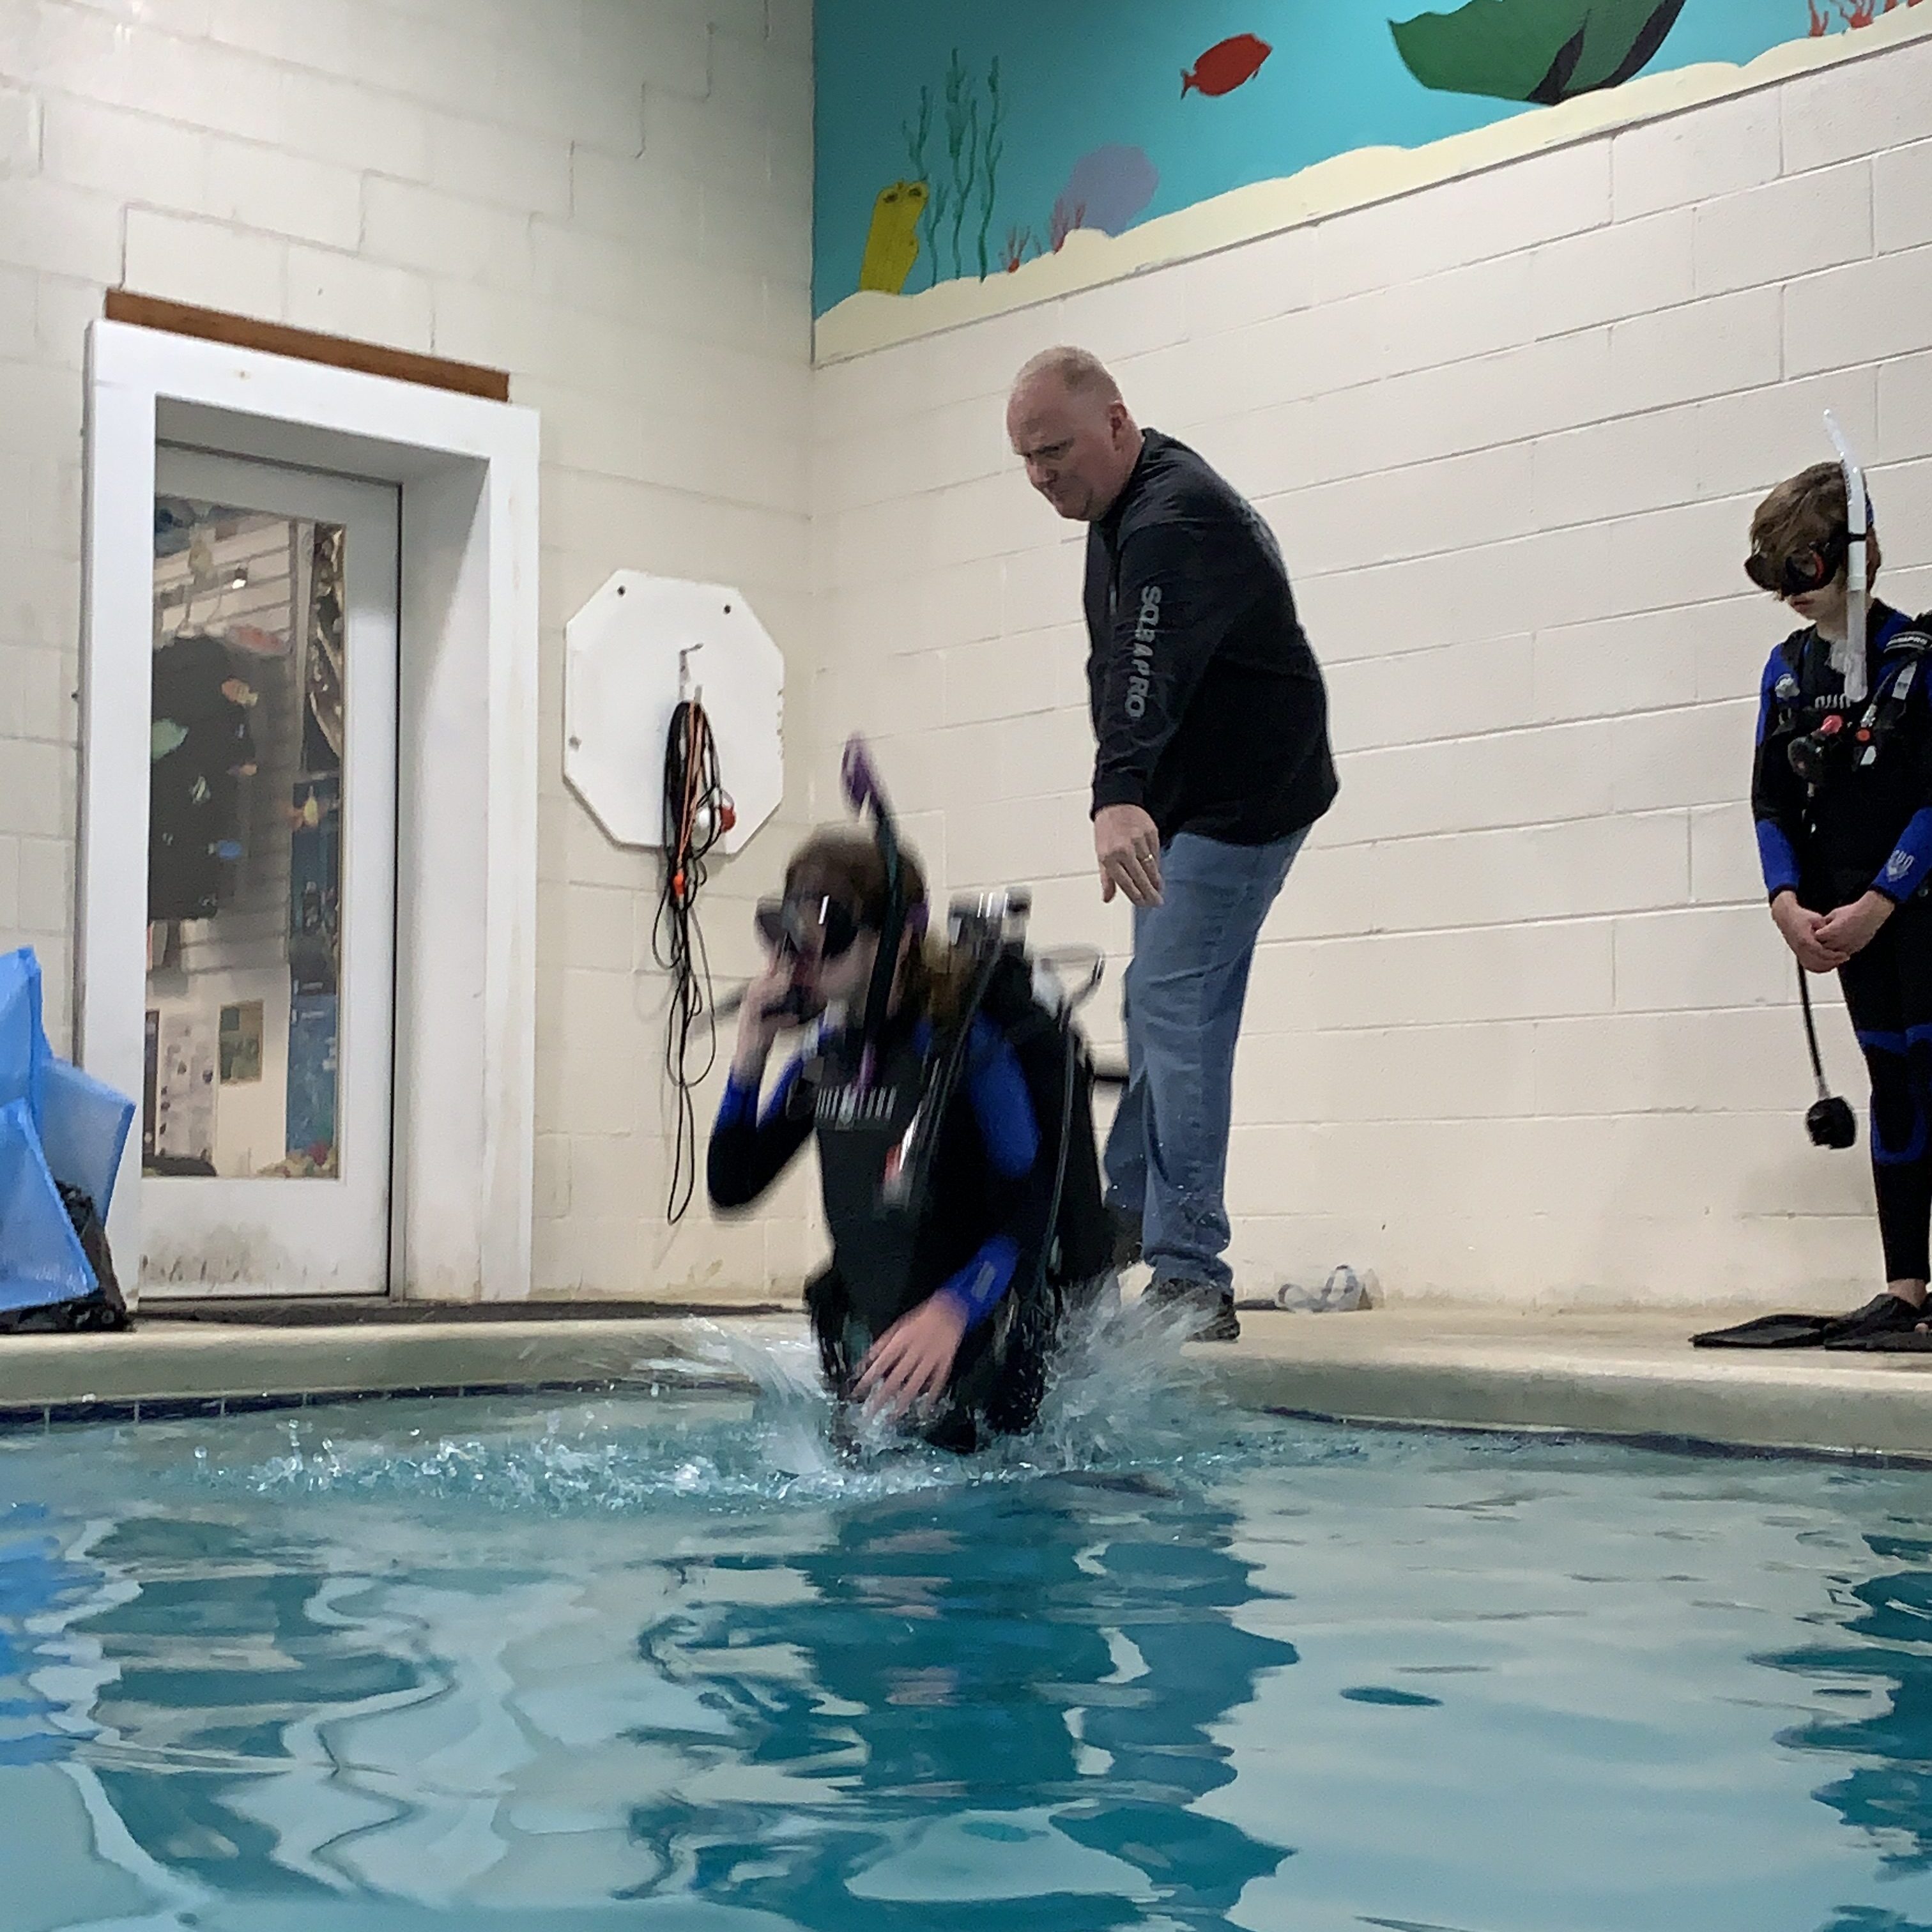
x=1106 y=190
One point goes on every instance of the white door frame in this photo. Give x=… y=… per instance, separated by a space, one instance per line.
x=466 y=860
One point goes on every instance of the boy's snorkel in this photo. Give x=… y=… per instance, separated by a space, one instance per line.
x=1848 y=658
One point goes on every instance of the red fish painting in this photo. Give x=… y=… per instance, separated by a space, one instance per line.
x=1226 y=65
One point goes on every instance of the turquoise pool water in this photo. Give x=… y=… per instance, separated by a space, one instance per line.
x=665 y=1664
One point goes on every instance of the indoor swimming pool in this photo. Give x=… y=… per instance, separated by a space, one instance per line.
x=666 y=1662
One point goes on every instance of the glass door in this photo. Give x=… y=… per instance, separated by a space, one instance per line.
x=267 y=1101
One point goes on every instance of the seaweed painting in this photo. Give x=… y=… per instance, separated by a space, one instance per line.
x=1544 y=51
x=965 y=186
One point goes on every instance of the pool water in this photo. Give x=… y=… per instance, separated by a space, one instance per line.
x=668 y=1664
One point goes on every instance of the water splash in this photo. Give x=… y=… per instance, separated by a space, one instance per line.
x=1123 y=1397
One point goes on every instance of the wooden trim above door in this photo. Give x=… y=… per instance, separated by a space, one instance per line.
x=275 y=338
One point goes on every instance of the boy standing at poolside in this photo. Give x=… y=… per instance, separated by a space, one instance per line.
x=1842 y=793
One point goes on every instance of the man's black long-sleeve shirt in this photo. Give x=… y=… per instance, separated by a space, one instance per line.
x=1207 y=703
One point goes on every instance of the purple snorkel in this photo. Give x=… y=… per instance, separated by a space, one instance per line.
x=864 y=792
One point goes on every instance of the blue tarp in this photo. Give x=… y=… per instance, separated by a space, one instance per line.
x=40 y=1257
x=84 y=1126
x=57 y=1125
x=24 y=1051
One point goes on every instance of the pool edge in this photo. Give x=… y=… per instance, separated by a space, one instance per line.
x=1629 y=1377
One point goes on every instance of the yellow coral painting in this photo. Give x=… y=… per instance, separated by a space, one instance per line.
x=893 y=245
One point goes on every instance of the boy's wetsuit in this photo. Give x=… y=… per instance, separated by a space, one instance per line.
x=1864 y=823
x=977 y=1237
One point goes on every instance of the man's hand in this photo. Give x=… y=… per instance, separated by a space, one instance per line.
x=909 y=1363
x=1127 y=844
x=1803 y=933
x=1852 y=927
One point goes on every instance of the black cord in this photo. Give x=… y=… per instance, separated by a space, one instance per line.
x=1052 y=1240
x=696 y=815
x=1811 y=1035
x=922 y=1138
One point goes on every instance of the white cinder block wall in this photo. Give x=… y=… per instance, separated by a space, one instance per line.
x=1520 y=1028
x=611 y=199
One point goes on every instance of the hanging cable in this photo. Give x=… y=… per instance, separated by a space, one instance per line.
x=697 y=812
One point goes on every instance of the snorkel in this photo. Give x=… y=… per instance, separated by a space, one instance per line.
x=903 y=1183
x=1848 y=659
x=864 y=792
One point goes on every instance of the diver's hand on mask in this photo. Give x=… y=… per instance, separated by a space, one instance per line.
x=909 y=1363
x=1852 y=927
x=1803 y=933
x=761 y=1018
x=1127 y=842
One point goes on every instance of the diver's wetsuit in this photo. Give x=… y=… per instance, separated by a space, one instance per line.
x=980 y=1232
x=1866 y=826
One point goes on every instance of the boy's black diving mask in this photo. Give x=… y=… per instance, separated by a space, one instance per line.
x=1804 y=572
x=812 y=926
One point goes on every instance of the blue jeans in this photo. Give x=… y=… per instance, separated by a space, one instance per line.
x=1167 y=1153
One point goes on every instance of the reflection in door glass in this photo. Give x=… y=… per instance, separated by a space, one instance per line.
x=244 y=844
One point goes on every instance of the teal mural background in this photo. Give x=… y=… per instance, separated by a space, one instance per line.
x=1076 y=75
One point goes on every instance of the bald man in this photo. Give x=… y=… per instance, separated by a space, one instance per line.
x=1213 y=762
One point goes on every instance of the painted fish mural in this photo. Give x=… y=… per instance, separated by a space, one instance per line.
x=1544 y=51
x=891 y=244
x=1226 y=65
x=964 y=143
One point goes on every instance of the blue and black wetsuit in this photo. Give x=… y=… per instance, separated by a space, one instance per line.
x=978 y=1236
x=1863 y=822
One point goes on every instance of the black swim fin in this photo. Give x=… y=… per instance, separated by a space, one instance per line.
x=1891 y=1341
x=1884 y=1314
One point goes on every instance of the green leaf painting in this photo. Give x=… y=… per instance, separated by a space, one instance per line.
x=1534 y=50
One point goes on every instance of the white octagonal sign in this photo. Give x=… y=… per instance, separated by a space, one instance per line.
x=624 y=655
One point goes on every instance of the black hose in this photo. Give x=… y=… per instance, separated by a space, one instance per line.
x=1066 y=1135
x=1811 y=1035
x=695 y=804
x=1829 y=1121
x=922 y=1136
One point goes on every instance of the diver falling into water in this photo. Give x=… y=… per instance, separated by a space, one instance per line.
x=951 y=1108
